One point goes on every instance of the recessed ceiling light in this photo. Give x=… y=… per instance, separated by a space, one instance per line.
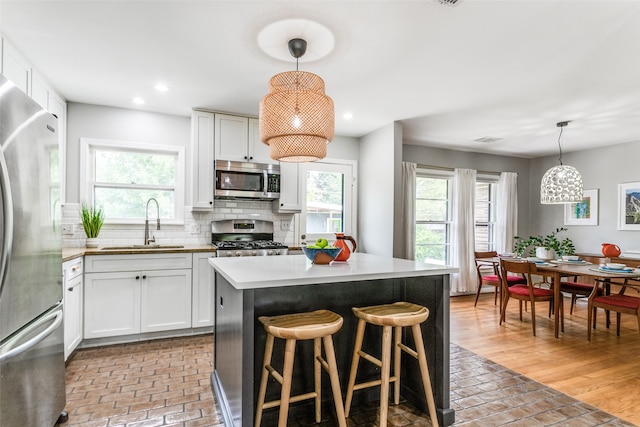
x=348 y=116
x=138 y=100
x=160 y=87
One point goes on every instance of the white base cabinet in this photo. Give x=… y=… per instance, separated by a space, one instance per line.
x=72 y=303
x=132 y=294
x=203 y=306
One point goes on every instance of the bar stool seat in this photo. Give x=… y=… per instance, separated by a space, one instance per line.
x=392 y=317
x=319 y=326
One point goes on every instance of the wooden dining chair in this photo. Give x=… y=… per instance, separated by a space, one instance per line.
x=492 y=279
x=577 y=289
x=524 y=292
x=621 y=303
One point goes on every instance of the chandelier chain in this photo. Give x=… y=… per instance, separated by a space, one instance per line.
x=560 y=146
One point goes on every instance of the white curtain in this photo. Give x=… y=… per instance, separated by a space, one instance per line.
x=506 y=212
x=409 y=209
x=463 y=234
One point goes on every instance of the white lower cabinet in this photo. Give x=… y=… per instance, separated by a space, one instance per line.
x=203 y=289
x=165 y=300
x=72 y=291
x=132 y=294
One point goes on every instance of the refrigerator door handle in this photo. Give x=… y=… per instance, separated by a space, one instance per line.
x=7 y=351
x=7 y=225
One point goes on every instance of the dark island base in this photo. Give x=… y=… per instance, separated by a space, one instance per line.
x=240 y=340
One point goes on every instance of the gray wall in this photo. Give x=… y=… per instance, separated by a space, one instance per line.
x=119 y=124
x=376 y=192
x=603 y=169
x=480 y=162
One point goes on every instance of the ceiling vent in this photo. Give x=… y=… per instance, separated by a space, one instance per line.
x=487 y=139
x=445 y=2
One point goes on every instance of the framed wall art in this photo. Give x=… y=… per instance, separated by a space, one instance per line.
x=629 y=206
x=584 y=212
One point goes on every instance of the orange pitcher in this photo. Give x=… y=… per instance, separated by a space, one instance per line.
x=345 y=253
x=610 y=250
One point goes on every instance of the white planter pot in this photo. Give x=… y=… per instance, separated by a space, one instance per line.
x=545 y=254
x=92 y=243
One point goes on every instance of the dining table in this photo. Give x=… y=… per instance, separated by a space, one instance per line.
x=557 y=269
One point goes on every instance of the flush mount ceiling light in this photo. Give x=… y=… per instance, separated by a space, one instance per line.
x=562 y=183
x=296 y=117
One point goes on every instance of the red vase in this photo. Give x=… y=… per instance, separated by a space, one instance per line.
x=610 y=250
x=340 y=242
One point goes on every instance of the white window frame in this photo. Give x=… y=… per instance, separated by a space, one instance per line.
x=87 y=173
x=350 y=170
x=493 y=181
x=448 y=175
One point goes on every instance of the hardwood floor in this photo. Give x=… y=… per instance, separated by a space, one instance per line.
x=604 y=372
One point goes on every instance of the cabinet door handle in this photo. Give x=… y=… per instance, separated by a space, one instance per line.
x=144 y=277
x=70 y=289
x=137 y=277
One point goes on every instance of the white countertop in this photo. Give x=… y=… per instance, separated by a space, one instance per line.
x=275 y=271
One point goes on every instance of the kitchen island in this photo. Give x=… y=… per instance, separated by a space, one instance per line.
x=249 y=287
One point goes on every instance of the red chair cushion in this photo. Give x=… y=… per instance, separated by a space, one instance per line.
x=624 y=301
x=524 y=290
x=510 y=279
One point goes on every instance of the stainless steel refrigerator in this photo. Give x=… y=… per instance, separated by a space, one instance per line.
x=32 y=392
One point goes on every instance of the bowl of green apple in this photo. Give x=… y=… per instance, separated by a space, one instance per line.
x=321 y=252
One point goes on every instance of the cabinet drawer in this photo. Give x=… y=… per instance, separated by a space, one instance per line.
x=73 y=268
x=107 y=263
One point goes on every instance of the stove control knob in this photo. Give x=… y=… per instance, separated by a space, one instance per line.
x=229 y=253
x=238 y=253
x=277 y=252
x=269 y=252
x=254 y=253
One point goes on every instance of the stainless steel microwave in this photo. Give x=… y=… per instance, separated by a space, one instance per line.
x=238 y=180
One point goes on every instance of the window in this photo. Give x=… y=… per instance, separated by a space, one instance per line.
x=121 y=177
x=485 y=216
x=327 y=204
x=433 y=219
x=434 y=215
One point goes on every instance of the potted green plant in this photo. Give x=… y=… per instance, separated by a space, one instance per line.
x=92 y=220
x=546 y=247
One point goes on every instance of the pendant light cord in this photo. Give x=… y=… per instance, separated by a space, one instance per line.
x=560 y=146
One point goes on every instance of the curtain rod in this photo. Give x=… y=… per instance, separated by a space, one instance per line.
x=442 y=168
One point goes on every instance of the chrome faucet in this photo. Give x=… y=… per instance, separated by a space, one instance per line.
x=148 y=240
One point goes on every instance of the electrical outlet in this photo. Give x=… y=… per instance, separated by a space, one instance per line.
x=285 y=225
x=67 y=229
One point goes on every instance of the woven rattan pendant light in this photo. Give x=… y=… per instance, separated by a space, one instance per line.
x=296 y=117
x=562 y=183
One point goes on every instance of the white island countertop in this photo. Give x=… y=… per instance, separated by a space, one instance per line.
x=290 y=270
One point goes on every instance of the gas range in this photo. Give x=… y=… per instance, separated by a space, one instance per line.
x=240 y=237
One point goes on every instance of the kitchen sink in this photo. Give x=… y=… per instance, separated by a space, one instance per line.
x=112 y=248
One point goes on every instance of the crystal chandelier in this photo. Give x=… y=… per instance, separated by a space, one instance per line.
x=296 y=117
x=562 y=183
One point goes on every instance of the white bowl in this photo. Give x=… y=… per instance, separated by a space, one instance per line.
x=570 y=257
x=615 y=266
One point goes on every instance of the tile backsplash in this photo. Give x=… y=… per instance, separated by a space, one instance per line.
x=196 y=230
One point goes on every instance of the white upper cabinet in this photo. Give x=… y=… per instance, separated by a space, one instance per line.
x=15 y=67
x=202 y=137
x=238 y=139
x=290 y=197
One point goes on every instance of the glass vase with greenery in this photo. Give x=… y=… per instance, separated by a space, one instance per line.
x=92 y=220
x=523 y=247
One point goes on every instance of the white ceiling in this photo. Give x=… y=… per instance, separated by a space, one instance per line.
x=509 y=69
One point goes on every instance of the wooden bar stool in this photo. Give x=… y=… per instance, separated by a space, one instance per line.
x=390 y=317
x=319 y=326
